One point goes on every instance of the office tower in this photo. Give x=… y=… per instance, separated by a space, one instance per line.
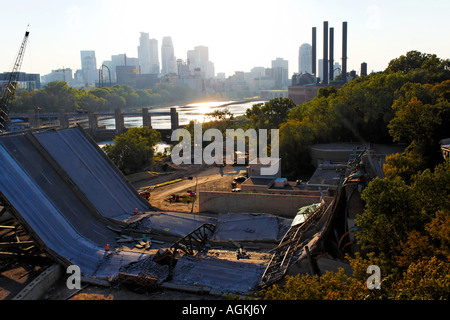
x=119 y=60
x=198 y=61
x=203 y=54
x=193 y=60
x=280 y=63
x=320 y=71
x=305 y=58
x=210 y=70
x=58 y=75
x=89 y=67
x=148 y=54
x=154 y=57
x=144 y=53
x=168 y=60
x=280 y=72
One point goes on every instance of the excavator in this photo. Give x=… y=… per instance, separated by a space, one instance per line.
x=8 y=91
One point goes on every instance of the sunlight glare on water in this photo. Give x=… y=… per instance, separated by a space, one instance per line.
x=193 y=111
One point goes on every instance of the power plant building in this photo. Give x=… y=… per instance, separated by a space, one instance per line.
x=304 y=89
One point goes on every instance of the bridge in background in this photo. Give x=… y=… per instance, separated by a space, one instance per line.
x=64 y=120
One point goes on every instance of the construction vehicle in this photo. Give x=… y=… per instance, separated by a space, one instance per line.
x=9 y=90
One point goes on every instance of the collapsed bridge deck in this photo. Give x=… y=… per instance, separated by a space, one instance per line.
x=72 y=200
x=70 y=197
x=64 y=192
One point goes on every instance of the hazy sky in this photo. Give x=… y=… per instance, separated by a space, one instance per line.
x=240 y=34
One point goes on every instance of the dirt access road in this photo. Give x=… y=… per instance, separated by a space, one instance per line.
x=194 y=177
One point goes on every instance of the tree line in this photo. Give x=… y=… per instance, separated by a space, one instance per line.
x=58 y=95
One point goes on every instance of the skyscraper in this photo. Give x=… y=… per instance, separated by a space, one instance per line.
x=193 y=60
x=89 y=67
x=154 y=57
x=120 y=60
x=320 y=73
x=280 y=72
x=203 y=54
x=206 y=66
x=168 y=60
x=305 y=58
x=148 y=54
x=199 y=60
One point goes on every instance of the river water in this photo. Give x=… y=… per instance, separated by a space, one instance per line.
x=193 y=111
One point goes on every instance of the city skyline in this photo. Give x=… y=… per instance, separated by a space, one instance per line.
x=239 y=35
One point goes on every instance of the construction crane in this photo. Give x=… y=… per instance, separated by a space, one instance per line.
x=10 y=89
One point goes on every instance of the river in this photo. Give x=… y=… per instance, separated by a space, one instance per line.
x=193 y=111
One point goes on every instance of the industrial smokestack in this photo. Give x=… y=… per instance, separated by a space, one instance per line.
x=325 y=52
x=314 y=49
x=331 y=54
x=363 y=69
x=344 y=51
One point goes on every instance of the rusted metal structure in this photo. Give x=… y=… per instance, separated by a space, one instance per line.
x=292 y=244
x=195 y=240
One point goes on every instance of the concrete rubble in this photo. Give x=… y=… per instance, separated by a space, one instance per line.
x=80 y=210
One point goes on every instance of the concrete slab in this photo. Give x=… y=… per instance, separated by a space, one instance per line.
x=236 y=277
x=250 y=227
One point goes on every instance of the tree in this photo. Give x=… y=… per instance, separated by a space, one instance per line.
x=403 y=165
x=56 y=96
x=89 y=101
x=394 y=208
x=411 y=61
x=219 y=119
x=270 y=115
x=330 y=286
x=295 y=139
x=425 y=279
x=421 y=67
x=133 y=150
x=422 y=119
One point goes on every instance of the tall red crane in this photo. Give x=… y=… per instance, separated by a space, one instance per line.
x=10 y=89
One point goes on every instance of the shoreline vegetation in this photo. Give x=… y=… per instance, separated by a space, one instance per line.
x=56 y=96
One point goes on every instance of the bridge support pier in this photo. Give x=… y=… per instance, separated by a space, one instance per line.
x=120 y=123
x=146 y=118
x=93 y=121
x=33 y=119
x=174 y=122
x=63 y=121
